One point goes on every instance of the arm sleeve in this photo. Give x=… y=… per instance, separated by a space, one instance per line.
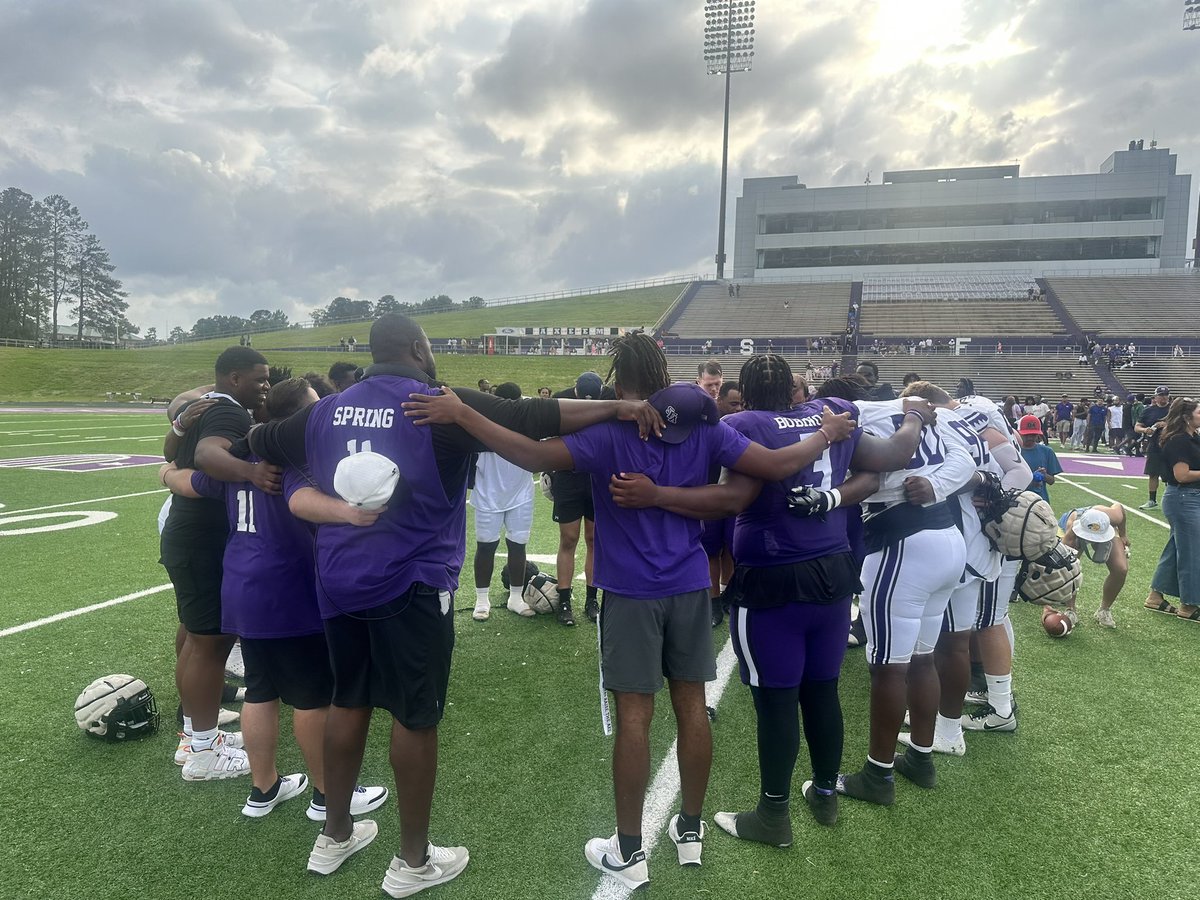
x=534 y=418
x=206 y=486
x=282 y=442
x=957 y=469
x=1017 y=473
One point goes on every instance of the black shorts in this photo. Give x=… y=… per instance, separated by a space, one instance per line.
x=195 y=571
x=574 y=507
x=295 y=670
x=1156 y=466
x=395 y=656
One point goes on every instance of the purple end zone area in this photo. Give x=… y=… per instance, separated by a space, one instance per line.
x=1095 y=464
x=80 y=462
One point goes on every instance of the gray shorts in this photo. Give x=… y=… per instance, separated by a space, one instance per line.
x=643 y=640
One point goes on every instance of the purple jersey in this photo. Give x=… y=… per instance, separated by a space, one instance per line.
x=421 y=536
x=767 y=534
x=267 y=589
x=648 y=553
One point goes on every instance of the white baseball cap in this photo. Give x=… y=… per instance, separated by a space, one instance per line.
x=1093 y=525
x=366 y=479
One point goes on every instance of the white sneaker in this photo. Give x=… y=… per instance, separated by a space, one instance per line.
x=483 y=611
x=362 y=801
x=223 y=760
x=605 y=854
x=976 y=698
x=227 y=717
x=987 y=719
x=520 y=607
x=688 y=845
x=232 y=739
x=442 y=864
x=940 y=744
x=327 y=854
x=234 y=666
x=1105 y=617
x=289 y=787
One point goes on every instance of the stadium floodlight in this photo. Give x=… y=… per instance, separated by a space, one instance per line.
x=1191 y=15
x=728 y=48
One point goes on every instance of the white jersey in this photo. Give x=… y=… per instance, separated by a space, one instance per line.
x=976 y=409
x=500 y=485
x=942 y=457
x=982 y=561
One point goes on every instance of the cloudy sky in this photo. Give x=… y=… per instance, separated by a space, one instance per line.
x=240 y=154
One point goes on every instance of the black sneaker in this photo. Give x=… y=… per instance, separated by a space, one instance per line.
x=866 y=785
x=824 y=806
x=566 y=615
x=917 y=768
x=591 y=609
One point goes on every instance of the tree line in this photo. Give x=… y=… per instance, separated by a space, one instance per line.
x=51 y=268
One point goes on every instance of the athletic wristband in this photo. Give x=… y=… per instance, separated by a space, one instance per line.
x=823 y=433
x=913 y=412
x=837 y=498
x=179 y=432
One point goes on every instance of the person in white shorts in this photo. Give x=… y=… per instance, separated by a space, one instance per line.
x=503 y=500
x=915 y=558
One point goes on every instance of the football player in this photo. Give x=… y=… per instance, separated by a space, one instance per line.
x=975 y=605
x=915 y=559
x=655 y=618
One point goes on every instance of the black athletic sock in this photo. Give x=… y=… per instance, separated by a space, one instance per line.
x=318 y=798
x=687 y=823
x=823 y=729
x=564 y=595
x=978 y=677
x=1154 y=496
x=265 y=796
x=630 y=844
x=592 y=591
x=778 y=739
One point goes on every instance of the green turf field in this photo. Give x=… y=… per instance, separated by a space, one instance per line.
x=1094 y=796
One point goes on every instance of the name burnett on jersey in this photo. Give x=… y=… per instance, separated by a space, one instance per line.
x=358 y=417
x=782 y=422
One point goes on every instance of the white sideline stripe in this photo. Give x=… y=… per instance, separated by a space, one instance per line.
x=92 y=440
x=13 y=512
x=101 y=426
x=1128 y=509
x=72 y=613
x=660 y=799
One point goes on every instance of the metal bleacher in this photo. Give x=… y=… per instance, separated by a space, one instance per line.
x=1182 y=376
x=813 y=310
x=683 y=367
x=1133 y=305
x=1050 y=375
x=953 y=318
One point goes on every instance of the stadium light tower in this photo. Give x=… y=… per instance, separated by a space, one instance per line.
x=728 y=48
x=1191 y=15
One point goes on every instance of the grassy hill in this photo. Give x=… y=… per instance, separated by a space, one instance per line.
x=640 y=306
x=73 y=376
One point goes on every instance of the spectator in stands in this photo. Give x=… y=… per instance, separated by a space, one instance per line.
x=1096 y=422
x=731 y=289
x=737 y=290
x=342 y=375
x=1177 y=352
x=1062 y=420
x=1150 y=424
x=1042 y=460
x=875 y=390
x=999 y=348
x=1178 y=572
x=1079 y=415
x=709 y=376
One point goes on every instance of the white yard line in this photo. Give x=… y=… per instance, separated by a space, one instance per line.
x=101 y=426
x=660 y=799
x=94 y=440
x=13 y=512
x=1128 y=509
x=72 y=613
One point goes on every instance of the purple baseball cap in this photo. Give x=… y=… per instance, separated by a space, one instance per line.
x=683 y=406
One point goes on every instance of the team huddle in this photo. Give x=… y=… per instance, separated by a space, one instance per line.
x=329 y=539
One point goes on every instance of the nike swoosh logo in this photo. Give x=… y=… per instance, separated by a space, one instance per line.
x=608 y=865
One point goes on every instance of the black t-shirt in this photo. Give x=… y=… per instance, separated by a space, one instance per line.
x=203 y=519
x=1185 y=449
x=1151 y=415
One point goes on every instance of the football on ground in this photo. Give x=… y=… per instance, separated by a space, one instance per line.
x=1057 y=624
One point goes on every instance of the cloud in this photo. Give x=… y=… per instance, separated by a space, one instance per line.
x=234 y=155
